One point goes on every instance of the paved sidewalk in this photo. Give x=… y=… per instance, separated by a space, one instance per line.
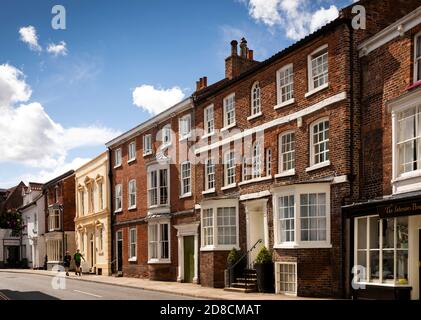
x=186 y=289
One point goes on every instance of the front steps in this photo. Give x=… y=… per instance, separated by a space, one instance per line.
x=247 y=283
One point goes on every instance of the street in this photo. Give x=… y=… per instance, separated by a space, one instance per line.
x=15 y=286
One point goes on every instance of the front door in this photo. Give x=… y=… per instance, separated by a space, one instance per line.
x=256 y=233
x=188 y=258
x=119 y=251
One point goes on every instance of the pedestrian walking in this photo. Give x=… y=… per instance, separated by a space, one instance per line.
x=78 y=257
x=66 y=261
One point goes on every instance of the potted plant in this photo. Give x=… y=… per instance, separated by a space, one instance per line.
x=232 y=265
x=265 y=271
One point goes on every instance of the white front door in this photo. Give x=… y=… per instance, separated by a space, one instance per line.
x=256 y=228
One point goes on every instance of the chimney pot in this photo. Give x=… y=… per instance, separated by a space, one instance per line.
x=234 y=48
x=205 y=82
x=251 y=55
x=243 y=48
x=197 y=85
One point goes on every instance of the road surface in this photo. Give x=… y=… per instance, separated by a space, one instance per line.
x=19 y=286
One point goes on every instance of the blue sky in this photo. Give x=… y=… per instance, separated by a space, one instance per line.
x=113 y=48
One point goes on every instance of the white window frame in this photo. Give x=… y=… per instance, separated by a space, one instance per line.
x=214 y=205
x=184 y=127
x=159 y=242
x=209 y=120
x=255 y=101
x=232 y=123
x=118 y=197
x=131 y=152
x=268 y=163
x=147 y=144
x=166 y=136
x=282 y=170
x=313 y=164
x=256 y=160
x=297 y=190
x=281 y=75
x=228 y=169
x=52 y=216
x=132 y=190
x=417 y=60
x=278 y=280
x=186 y=179
x=209 y=163
x=316 y=53
x=117 y=157
x=131 y=243
x=158 y=170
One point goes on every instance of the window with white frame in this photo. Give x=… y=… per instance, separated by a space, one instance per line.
x=302 y=216
x=229 y=110
x=286 y=277
x=185 y=126
x=256 y=160
x=319 y=142
x=82 y=201
x=209 y=174
x=286 y=216
x=159 y=242
x=286 y=152
x=54 y=220
x=186 y=178
x=285 y=79
x=132 y=194
x=219 y=225
x=117 y=157
x=132 y=151
x=118 y=198
x=132 y=244
x=268 y=162
x=209 y=121
x=229 y=168
x=157 y=187
x=245 y=169
x=100 y=195
x=318 y=68
x=255 y=99
x=166 y=135
x=417 y=57
x=381 y=247
x=147 y=144
x=409 y=140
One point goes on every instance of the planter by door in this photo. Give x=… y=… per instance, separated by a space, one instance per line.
x=265 y=277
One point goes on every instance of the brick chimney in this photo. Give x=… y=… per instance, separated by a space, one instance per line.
x=201 y=83
x=236 y=64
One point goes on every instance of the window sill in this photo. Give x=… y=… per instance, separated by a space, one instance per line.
x=147 y=153
x=183 y=138
x=220 y=248
x=158 y=261
x=208 y=135
x=254 y=116
x=232 y=125
x=118 y=211
x=318 y=166
x=407 y=176
x=165 y=146
x=134 y=259
x=284 y=104
x=230 y=186
x=255 y=180
x=379 y=284
x=187 y=195
x=117 y=166
x=132 y=208
x=131 y=160
x=284 y=174
x=314 y=91
x=209 y=191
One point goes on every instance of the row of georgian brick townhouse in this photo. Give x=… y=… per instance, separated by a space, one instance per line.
x=270 y=153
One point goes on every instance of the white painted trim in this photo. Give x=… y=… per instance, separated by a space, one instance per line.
x=277 y=280
x=257 y=195
x=232 y=125
x=224 y=118
x=278 y=87
x=185 y=230
x=340 y=179
x=287 y=173
x=187 y=195
x=318 y=166
x=197 y=206
x=313 y=91
x=284 y=104
x=254 y=116
x=209 y=191
x=230 y=186
x=310 y=88
x=208 y=135
x=315 y=166
x=391 y=32
x=255 y=180
x=205 y=121
x=276 y=122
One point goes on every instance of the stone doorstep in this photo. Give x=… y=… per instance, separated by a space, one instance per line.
x=184 y=289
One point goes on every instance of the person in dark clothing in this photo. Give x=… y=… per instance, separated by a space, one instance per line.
x=66 y=261
x=78 y=259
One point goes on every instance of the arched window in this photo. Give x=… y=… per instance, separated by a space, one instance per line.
x=255 y=99
x=256 y=160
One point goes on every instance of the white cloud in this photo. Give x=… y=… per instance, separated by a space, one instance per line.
x=155 y=100
x=296 y=17
x=29 y=36
x=29 y=136
x=57 y=49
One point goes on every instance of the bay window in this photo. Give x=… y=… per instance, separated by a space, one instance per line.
x=54 y=220
x=157 y=186
x=381 y=247
x=302 y=216
x=219 y=223
x=229 y=111
x=159 y=242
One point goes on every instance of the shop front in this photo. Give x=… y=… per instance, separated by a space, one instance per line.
x=385 y=248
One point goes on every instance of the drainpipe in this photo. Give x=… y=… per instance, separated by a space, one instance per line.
x=110 y=190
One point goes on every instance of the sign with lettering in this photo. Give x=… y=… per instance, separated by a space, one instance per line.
x=400 y=209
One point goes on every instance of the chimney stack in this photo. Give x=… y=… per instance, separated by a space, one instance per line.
x=236 y=64
x=243 y=48
x=234 y=48
x=202 y=83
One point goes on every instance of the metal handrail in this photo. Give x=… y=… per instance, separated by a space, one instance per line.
x=230 y=269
